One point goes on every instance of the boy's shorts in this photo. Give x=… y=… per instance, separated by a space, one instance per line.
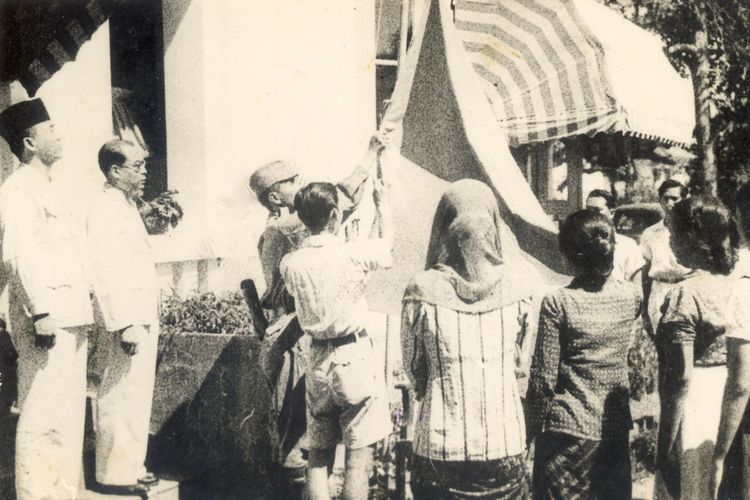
x=346 y=395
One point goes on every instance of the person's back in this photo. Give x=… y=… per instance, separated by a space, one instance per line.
x=471 y=402
x=332 y=275
x=578 y=395
x=461 y=323
x=345 y=391
x=590 y=380
x=690 y=339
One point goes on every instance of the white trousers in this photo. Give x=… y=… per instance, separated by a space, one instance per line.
x=52 y=399
x=123 y=405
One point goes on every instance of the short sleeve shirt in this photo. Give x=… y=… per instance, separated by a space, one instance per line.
x=694 y=312
x=628 y=259
x=327 y=278
x=738 y=308
x=657 y=251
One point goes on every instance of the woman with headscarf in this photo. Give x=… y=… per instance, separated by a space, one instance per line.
x=578 y=394
x=691 y=344
x=462 y=319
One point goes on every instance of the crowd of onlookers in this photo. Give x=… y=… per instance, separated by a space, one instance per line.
x=78 y=300
x=464 y=324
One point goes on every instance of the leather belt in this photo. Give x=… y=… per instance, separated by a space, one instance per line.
x=671 y=281
x=339 y=341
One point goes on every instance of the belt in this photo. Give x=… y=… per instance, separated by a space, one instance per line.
x=668 y=280
x=339 y=341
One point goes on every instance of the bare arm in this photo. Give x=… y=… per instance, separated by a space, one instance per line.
x=736 y=394
x=677 y=361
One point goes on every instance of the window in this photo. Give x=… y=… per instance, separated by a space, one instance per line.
x=137 y=64
x=393 y=21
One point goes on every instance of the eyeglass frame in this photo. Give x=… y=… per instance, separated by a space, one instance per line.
x=138 y=165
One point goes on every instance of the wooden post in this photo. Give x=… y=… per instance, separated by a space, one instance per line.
x=703 y=112
x=575 y=174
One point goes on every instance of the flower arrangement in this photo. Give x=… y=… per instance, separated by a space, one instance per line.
x=161 y=213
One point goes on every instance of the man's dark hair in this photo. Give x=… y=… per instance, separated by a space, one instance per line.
x=708 y=231
x=314 y=204
x=112 y=153
x=587 y=240
x=670 y=184
x=601 y=193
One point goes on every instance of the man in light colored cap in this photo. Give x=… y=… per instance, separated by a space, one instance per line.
x=50 y=309
x=284 y=348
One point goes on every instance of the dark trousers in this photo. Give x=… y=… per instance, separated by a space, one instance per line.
x=566 y=466
x=494 y=479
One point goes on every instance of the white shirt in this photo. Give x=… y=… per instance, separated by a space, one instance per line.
x=122 y=261
x=628 y=259
x=327 y=279
x=738 y=308
x=656 y=250
x=42 y=250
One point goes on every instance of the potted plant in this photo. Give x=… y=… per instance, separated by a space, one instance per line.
x=161 y=213
x=211 y=402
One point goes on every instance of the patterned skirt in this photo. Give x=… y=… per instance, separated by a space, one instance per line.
x=568 y=467
x=494 y=479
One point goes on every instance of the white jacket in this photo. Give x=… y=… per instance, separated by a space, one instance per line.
x=42 y=251
x=122 y=261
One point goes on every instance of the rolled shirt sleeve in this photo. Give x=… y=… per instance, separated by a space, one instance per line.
x=372 y=254
x=680 y=314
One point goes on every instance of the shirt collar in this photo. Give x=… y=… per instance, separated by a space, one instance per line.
x=743 y=262
x=118 y=193
x=38 y=168
x=320 y=240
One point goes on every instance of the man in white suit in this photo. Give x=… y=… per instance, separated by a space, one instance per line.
x=50 y=309
x=124 y=352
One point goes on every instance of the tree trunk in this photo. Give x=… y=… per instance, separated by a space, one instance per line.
x=706 y=153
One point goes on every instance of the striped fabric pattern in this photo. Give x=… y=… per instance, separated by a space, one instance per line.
x=39 y=37
x=542 y=69
x=471 y=410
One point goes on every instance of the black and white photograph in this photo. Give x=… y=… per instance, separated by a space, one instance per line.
x=374 y=249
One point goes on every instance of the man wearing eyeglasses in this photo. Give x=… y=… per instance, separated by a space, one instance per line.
x=124 y=350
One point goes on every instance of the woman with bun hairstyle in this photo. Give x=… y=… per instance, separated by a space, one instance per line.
x=691 y=345
x=578 y=394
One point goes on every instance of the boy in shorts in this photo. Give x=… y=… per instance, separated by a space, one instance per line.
x=346 y=394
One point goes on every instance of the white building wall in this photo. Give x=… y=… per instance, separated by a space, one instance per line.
x=79 y=100
x=248 y=82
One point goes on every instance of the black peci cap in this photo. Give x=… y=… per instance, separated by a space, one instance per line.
x=15 y=119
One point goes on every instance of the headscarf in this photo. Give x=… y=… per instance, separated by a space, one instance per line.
x=468 y=233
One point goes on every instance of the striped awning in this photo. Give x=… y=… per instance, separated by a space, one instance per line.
x=38 y=37
x=557 y=68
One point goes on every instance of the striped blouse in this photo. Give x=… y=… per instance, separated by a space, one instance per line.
x=463 y=368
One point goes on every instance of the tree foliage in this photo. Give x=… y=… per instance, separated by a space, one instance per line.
x=723 y=89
